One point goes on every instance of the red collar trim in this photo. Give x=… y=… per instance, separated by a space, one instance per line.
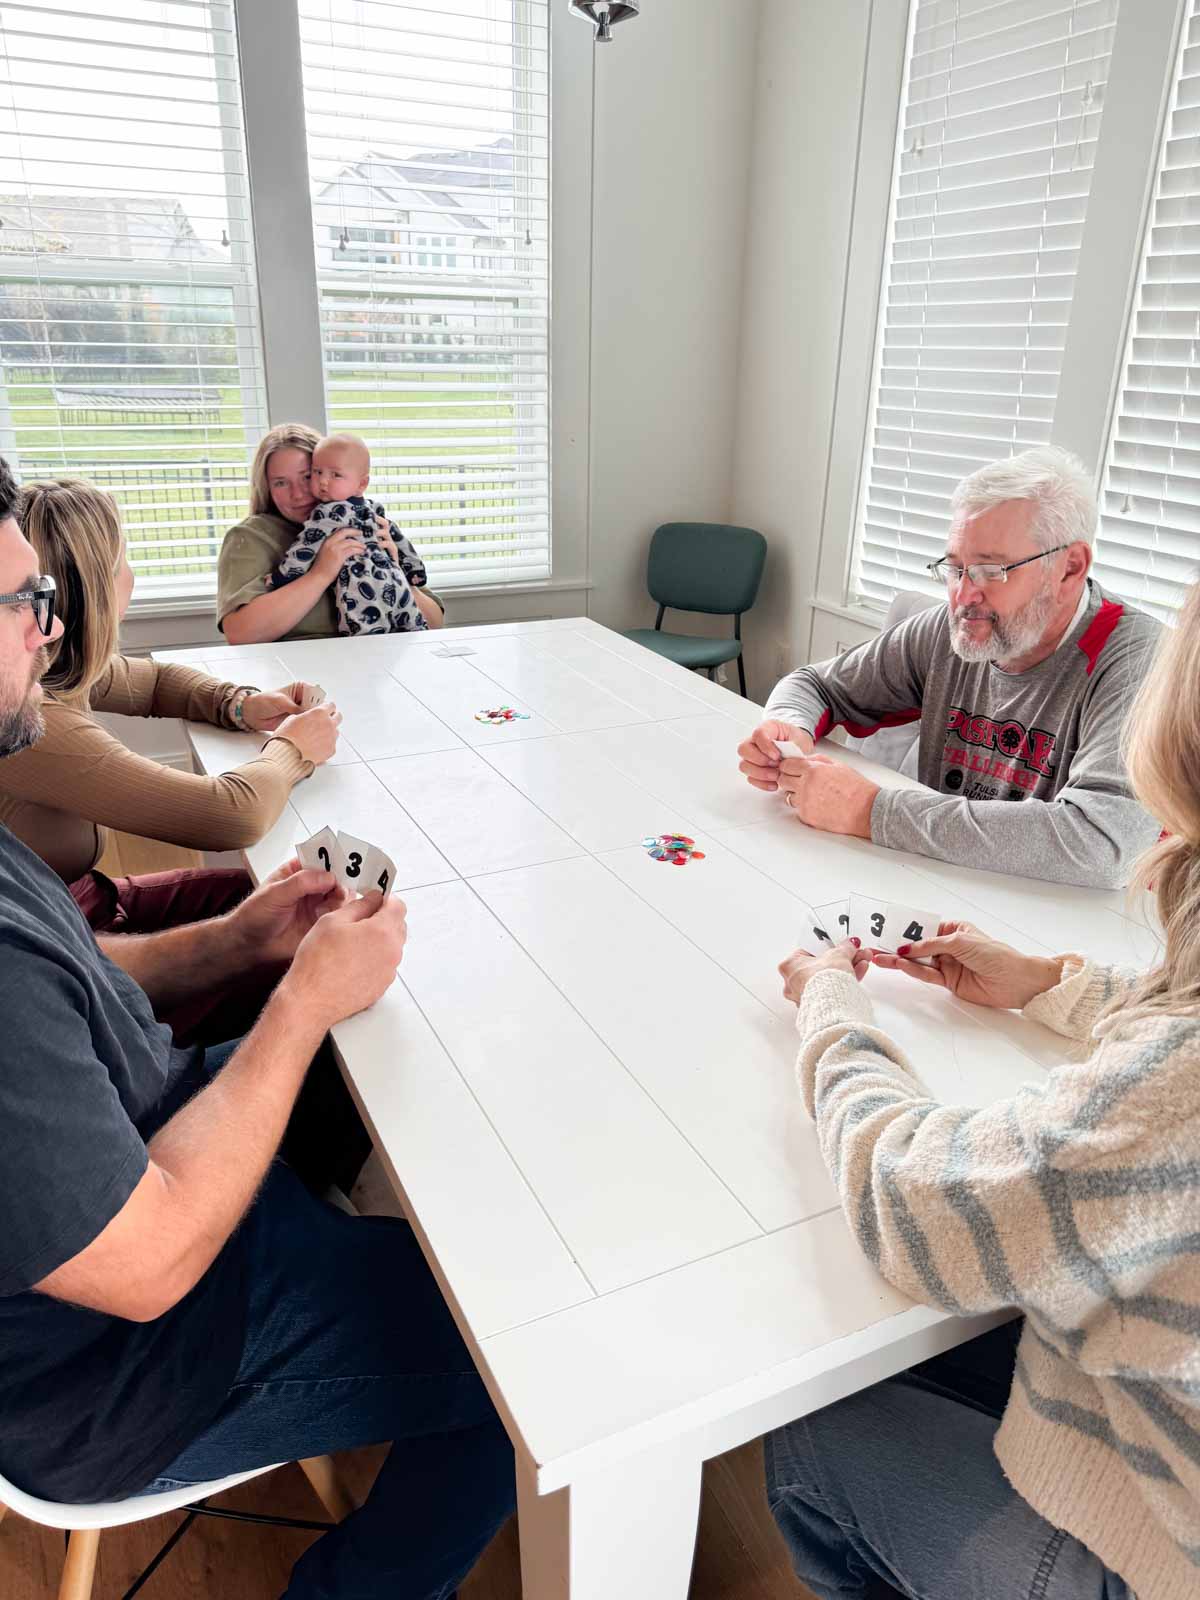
x=1098 y=631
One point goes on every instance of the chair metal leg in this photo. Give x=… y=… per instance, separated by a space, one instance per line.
x=328 y=1486
x=79 y=1569
x=712 y=674
x=742 y=676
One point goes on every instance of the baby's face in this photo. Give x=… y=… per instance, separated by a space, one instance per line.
x=338 y=471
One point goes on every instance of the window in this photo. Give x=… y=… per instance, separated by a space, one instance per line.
x=1148 y=550
x=430 y=121
x=999 y=120
x=129 y=345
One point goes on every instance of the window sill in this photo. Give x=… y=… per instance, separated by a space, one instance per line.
x=150 y=607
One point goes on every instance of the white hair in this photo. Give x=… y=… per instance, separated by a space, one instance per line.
x=1065 y=510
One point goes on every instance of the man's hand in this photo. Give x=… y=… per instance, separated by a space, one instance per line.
x=264 y=711
x=797 y=969
x=270 y=924
x=828 y=795
x=347 y=960
x=759 y=758
x=974 y=967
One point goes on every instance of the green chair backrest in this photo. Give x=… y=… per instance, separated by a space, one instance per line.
x=705 y=566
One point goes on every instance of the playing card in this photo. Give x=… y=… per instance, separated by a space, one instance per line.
x=311 y=695
x=350 y=862
x=912 y=924
x=379 y=872
x=455 y=650
x=787 y=749
x=321 y=851
x=869 y=921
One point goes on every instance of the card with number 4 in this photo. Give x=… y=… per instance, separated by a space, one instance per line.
x=379 y=872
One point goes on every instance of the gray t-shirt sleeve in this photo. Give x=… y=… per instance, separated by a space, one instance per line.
x=877 y=684
x=1090 y=834
x=69 y=1155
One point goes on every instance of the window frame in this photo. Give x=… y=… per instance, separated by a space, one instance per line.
x=1143 y=57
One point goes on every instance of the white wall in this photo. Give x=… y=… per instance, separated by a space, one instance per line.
x=809 y=99
x=673 y=121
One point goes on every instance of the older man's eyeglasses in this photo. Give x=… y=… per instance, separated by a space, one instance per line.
x=40 y=597
x=946 y=571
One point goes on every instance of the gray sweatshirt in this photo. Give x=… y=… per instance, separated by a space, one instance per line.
x=1049 y=737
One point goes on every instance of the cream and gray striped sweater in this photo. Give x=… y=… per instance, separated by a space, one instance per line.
x=1077 y=1201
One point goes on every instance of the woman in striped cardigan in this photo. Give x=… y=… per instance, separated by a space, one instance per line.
x=1058 y=1457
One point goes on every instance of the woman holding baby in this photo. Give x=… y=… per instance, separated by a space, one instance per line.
x=252 y=608
x=63 y=793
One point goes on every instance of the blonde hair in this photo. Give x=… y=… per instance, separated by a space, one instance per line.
x=1162 y=753
x=76 y=530
x=287 y=436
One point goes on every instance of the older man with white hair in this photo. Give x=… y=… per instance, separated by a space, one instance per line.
x=1021 y=683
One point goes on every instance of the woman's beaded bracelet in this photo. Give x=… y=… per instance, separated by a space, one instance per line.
x=236 y=714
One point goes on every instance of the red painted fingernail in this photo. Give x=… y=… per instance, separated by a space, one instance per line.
x=857 y=943
x=903 y=949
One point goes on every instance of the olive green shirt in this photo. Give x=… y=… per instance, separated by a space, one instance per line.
x=251 y=552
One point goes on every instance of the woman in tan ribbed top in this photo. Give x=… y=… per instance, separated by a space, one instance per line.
x=61 y=795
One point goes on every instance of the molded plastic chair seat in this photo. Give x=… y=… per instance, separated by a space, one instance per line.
x=708 y=567
x=87 y=1522
x=687 y=649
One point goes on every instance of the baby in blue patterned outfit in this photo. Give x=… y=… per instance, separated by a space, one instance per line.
x=372 y=593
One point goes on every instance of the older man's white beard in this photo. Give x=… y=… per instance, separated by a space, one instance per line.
x=1017 y=637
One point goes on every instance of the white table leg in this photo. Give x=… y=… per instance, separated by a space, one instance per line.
x=629 y=1531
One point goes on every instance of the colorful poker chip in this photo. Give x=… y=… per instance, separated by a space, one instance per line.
x=500 y=716
x=676 y=848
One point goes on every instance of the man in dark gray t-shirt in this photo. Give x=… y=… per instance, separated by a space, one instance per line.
x=1020 y=685
x=174 y=1304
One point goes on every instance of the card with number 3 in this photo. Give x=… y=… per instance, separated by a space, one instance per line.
x=887 y=926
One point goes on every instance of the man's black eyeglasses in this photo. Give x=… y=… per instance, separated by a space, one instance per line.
x=40 y=597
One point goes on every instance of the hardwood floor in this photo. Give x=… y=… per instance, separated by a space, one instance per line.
x=739 y=1554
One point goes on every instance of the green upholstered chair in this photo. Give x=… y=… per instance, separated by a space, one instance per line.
x=702 y=566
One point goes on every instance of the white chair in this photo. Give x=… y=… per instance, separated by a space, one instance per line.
x=85 y=1524
x=896 y=747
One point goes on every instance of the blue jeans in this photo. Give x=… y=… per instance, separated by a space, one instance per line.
x=349 y=1342
x=896 y=1492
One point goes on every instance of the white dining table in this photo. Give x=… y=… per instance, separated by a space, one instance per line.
x=582 y=1082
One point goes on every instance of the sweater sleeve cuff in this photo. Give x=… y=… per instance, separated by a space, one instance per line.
x=280 y=750
x=829 y=998
x=1080 y=981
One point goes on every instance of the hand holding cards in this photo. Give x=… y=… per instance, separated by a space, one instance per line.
x=360 y=867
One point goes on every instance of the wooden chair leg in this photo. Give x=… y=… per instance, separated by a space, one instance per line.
x=328 y=1486
x=79 y=1569
x=3 y=1511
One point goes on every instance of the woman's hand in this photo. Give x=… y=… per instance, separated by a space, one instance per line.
x=339 y=548
x=974 y=967
x=801 y=965
x=263 y=711
x=314 y=733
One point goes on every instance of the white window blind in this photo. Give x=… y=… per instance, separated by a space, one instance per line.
x=1148 y=550
x=428 y=145
x=1000 y=115
x=129 y=346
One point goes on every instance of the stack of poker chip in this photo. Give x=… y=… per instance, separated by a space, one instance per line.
x=500 y=715
x=676 y=848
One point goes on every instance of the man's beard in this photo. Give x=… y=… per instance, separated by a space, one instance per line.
x=1017 y=637
x=22 y=725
